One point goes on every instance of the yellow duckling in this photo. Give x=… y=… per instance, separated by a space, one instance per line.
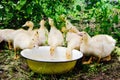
x=73 y=42
x=43 y=33
x=9 y=34
x=72 y=38
x=55 y=37
x=100 y=46
x=25 y=40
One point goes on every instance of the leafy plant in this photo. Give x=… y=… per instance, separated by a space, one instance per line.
x=101 y=17
x=15 y=13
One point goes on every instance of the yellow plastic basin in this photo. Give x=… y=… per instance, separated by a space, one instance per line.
x=40 y=61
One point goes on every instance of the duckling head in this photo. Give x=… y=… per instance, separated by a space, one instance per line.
x=63 y=29
x=84 y=35
x=29 y=24
x=66 y=28
x=42 y=22
x=70 y=27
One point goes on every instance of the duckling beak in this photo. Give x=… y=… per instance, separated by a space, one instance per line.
x=24 y=25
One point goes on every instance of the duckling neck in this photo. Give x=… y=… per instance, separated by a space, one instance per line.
x=42 y=27
x=86 y=39
x=52 y=24
x=30 y=28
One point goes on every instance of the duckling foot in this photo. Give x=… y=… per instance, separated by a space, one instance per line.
x=108 y=58
x=88 y=62
x=16 y=57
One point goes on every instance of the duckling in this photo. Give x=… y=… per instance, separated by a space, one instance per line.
x=43 y=33
x=55 y=37
x=5 y=36
x=73 y=39
x=25 y=40
x=73 y=42
x=9 y=34
x=100 y=46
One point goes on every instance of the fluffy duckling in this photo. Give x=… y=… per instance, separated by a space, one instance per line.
x=73 y=39
x=100 y=46
x=43 y=33
x=55 y=37
x=9 y=34
x=5 y=36
x=25 y=40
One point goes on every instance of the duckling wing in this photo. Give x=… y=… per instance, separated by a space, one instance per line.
x=43 y=33
x=102 y=45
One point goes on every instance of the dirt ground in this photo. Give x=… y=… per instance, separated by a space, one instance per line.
x=11 y=69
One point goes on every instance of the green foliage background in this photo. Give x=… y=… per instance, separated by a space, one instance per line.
x=93 y=16
x=15 y=13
